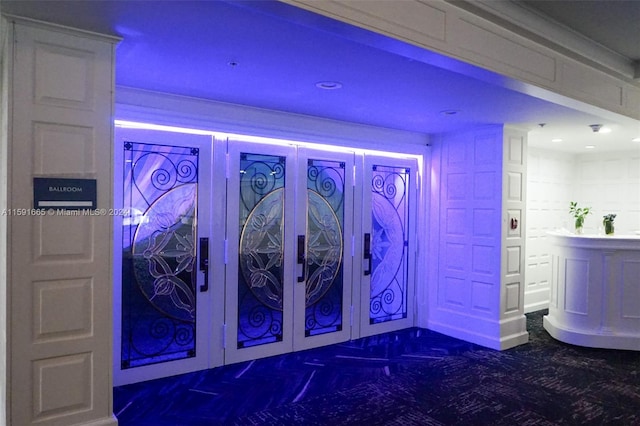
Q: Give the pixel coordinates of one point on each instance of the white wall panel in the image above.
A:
(515, 151)
(483, 221)
(457, 185)
(513, 260)
(549, 189)
(404, 20)
(455, 221)
(592, 85)
(62, 385)
(455, 257)
(455, 291)
(63, 149)
(469, 297)
(577, 278)
(64, 76)
(633, 167)
(482, 259)
(513, 232)
(63, 238)
(484, 184)
(60, 265)
(63, 309)
(513, 298)
(481, 302)
(487, 46)
(485, 151)
(5, 70)
(514, 186)
(610, 183)
(630, 278)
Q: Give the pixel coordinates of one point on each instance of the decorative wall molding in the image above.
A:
(59, 105)
(531, 52)
(475, 268)
(533, 25)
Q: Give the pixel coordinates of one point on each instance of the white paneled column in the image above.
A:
(59, 278)
(513, 260)
(476, 290)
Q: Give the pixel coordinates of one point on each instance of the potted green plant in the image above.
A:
(607, 221)
(579, 213)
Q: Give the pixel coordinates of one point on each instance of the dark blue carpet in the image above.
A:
(412, 377)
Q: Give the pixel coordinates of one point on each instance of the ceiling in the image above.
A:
(271, 55)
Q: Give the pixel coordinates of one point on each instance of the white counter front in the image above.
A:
(595, 291)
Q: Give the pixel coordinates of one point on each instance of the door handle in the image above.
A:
(204, 262)
(367, 252)
(301, 257)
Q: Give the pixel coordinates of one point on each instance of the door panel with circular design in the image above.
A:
(287, 286)
(324, 227)
(259, 277)
(388, 233)
(162, 315)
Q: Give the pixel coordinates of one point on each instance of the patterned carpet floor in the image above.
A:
(411, 377)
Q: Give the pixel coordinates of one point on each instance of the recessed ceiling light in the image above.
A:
(590, 146)
(635, 140)
(329, 85)
(556, 140)
(605, 130)
(449, 112)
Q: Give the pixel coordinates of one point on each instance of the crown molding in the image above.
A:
(535, 26)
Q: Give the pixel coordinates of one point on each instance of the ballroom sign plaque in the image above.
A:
(64, 194)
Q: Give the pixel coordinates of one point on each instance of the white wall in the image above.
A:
(473, 295)
(58, 267)
(4, 108)
(550, 186)
(608, 182)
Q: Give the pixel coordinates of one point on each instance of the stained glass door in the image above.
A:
(163, 310)
(387, 244)
(324, 226)
(260, 259)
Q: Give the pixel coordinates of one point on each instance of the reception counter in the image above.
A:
(595, 290)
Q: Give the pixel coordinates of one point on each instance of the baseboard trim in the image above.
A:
(533, 307)
(106, 421)
(517, 333)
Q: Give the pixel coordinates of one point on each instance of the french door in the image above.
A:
(233, 250)
(388, 229)
(324, 230)
(164, 299)
(290, 224)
